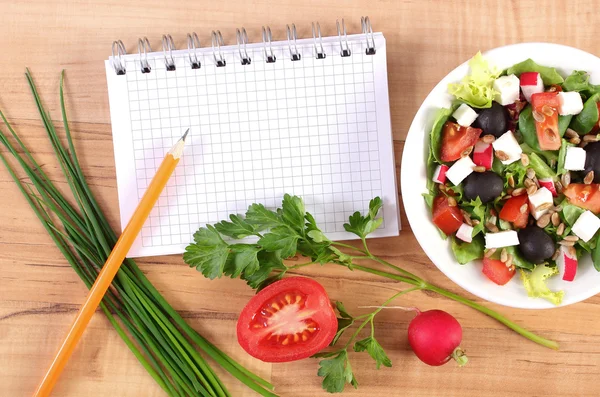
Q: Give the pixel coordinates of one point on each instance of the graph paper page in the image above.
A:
(317, 128)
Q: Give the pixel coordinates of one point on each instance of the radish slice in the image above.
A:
(548, 183)
(439, 176)
(483, 155)
(531, 83)
(567, 263)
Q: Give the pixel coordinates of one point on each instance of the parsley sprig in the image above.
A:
(271, 236)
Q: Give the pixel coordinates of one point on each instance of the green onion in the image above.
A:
(157, 335)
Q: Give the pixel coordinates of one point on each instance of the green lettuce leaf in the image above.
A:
(562, 154)
(596, 254)
(549, 75)
(579, 81)
(435, 139)
(570, 212)
(476, 88)
(535, 284)
(542, 170)
(467, 252)
(518, 259)
(585, 121)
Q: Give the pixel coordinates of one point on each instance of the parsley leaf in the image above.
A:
(280, 239)
(242, 258)
(343, 323)
(374, 349)
(292, 213)
(269, 261)
(259, 215)
(341, 257)
(238, 228)
(208, 254)
(363, 225)
(336, 372)
(342, 310)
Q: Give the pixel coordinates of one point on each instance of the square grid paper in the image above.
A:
(317, 128)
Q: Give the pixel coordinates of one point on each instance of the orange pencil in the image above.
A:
(108, 272)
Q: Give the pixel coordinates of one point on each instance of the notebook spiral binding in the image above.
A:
(193, 44)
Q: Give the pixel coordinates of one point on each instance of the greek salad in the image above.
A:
(514, 173)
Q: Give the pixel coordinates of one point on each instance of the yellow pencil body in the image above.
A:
(111, 267)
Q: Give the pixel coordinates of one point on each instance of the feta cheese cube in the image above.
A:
(508, 144)
(531, 83)
(575, 159)
(570, 103)
(501, 239)
(507, 89)
(586, 226)
(465, 233)
(464, 115)
(460, 170)
(540, 197)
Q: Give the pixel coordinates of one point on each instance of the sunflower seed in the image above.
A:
(530, 173)
(466, 152)
(537, 183)
(572, 251)
(570, 133)
(542, 207)
(555, 218)
(567, 243)
(558, 208)
(479, 168)
(571, 238)
(559, 187)
(492, 228)
(555, 255)
(452, 201)
(503, 255)
(543, 221)
(575, 140)
(528, 182)
(524, 159)
(547, 110)
(488, 138)
(519, 191)
(511, 181)
(537, 116)
(489, 252)
(466, 217)
(524, 208)
(566, 179)
(590, 138)
(501, 155)
(589, 178)
(551, 134)
(560, 229)
(509, 261)
(532, 189)
(475, 222)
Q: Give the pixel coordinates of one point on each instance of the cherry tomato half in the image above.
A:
(289, 320)
(456, 139)
(511, 211)
(584, 196)
(445, 216)
(546, 104)
(497, 271)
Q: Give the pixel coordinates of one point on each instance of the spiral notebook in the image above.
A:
(309, 117)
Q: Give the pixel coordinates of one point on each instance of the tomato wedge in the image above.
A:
(289, 320)
(511, 211)
(545, 107)
(497, 271)
(584, 196)
(456, 139)
(445, 216)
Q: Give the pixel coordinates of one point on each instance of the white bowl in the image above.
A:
(587, 282)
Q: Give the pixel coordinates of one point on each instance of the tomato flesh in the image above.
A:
(289, 320)
(448, 218)
(546, 105)
(497, 271)
(511, 211)
(456, 139)
(584, 196)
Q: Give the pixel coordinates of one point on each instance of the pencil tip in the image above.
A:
(185, 134)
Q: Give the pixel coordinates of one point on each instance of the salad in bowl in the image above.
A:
(513, 175)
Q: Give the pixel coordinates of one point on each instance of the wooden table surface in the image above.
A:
(39, 292)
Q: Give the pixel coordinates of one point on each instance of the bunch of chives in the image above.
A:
(156, 334)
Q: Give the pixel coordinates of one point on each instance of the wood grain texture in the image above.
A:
(39, 293)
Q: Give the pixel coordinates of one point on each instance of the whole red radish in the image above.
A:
(435, 337)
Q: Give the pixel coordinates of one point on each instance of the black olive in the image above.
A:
(592, 160)
(487, 185)
(493, 120)
(535, 244)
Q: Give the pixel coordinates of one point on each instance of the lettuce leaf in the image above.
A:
(535, 284)
(467, 252)
(476, 88)
(562, 155)
(518, 259)
(549, 75)
(579, 81)
(542, 170)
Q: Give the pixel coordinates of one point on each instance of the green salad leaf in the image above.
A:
(435, 139)
(535, 283)
(529, 133)
(476, 88)
(542, 170)
(570, 212)
(549, 75)
(596, 254)
(518, 259)
(562, 155)
(476, 210)
(585, 121)
(579, 81)
(467, 252)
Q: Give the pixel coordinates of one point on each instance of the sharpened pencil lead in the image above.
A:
(185, 134)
